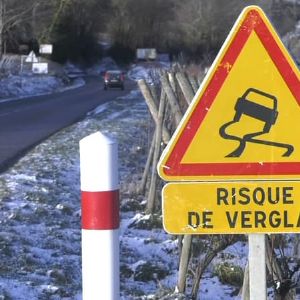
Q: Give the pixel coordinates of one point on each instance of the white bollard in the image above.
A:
(100, 217)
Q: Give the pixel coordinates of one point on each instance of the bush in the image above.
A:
(121, 54)
(76, 41)
(229, 274)
(148, 271)
(76, 49)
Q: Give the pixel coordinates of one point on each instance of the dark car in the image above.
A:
(113, 79)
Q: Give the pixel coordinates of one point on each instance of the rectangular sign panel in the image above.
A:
(40, 68)
(232, 207)
(46, 49)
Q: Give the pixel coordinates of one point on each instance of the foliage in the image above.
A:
(192, 29)
(229, 273)
(121, 53)
(202, 26)
(140, 23)
(75, 34)
(210, 246)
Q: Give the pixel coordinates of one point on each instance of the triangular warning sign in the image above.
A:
(31, 58)
(244, 121)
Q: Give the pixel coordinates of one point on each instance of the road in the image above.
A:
(26, 122)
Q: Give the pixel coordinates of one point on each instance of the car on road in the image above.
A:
(114, 79)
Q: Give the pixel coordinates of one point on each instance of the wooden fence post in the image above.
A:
(276, 271)
(174, 106)
(153, 108)
(172, 81)
(185, 86)
(171, 98)
(143, 183)
(158, 133)
(245, 288)
(194, 83)
(184, 262)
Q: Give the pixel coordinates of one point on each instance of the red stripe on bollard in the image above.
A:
(100, 210)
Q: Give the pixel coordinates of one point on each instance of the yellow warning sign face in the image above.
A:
(244, 121)
(231, 208)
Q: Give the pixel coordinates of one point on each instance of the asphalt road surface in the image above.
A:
(26, 122)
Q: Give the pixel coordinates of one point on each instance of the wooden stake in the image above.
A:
(153, 108)
(147, 166)
(276, 271)
(184, 262)
(186, 87)
(194, 83)
(174, 106)
(245, 289)
(154, 175)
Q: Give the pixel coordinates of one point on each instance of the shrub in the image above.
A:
(229, 274)
(121, 54)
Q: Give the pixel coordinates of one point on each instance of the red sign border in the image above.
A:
(173, 166)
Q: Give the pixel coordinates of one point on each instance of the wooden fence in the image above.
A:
(167, 97)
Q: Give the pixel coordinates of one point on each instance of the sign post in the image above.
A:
(234, 160)
(257, 267)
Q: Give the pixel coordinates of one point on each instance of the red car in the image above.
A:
(113, 79)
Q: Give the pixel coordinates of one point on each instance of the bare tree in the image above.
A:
(140, 23)
(17, 19)
(201, 26)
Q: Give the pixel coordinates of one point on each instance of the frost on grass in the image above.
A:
(40, 235)
(40, 231)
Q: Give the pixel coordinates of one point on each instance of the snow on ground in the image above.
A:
(40, 231)
(40, 211)
(28, 84)
(146, 70)
(106, 63)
